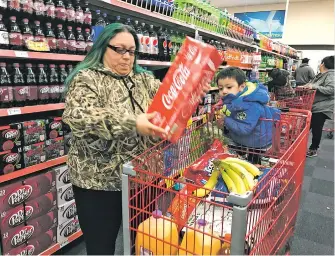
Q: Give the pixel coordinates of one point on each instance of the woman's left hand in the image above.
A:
(307, 86)
(205, 90)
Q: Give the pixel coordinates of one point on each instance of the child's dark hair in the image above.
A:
(328, 62)
(232, 72)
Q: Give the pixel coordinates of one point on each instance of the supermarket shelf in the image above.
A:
(244, 68)
(32, 169)
(58, 246)
(274, 53)
(40, 55)
(31, 109)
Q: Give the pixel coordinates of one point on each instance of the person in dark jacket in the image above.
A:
(323, 106)
(280, 84)
(244, 105)
(304, 74)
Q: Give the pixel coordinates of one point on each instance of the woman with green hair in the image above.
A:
(106, 99)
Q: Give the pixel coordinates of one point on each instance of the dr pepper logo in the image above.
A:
(12, 158)
(71, 211)
(67, 195)
(29, 211)
(70, 228)
(55, 125)
(16, 219)
(11, 134)
(20, 195)
(65, 177)
(22, 235)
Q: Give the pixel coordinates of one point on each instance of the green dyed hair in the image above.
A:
(96, 54)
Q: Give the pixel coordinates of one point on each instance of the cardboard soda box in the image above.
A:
(13, 195)
(67, 228)
(10, 137)
(62, 175)
(34, 154)
(178, 96)
(11, 161)
(64, 194)
(33, 132)
(20, 235)
(37, 245)
(67, 211)
(41, 205)
(54, 127)
(54, 148)
(12, 218)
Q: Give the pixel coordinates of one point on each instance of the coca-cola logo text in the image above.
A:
(180, 77)
(20, 195)
(70, 228)
(22, 236)
(16, 219)
(11, 134)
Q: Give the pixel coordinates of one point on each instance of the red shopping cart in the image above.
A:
(260, 222)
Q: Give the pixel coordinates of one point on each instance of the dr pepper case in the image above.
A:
(62, 175)
(10, 137)
(67, 228)
(54, 148)
(34, 154)
(178, 96)
(33, 132)
(11, 160)
(67, 211)
(13, 195)
(64, 194)
(54, 127)
(40, 184)
(12, 218)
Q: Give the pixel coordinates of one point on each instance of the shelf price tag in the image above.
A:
(14, 111)
(21, 54)
(62, 244)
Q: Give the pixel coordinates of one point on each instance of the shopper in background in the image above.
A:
(280, 84)
(108, 94)
(304, 73)
(323, 106)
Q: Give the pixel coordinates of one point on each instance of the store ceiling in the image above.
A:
(231, 3)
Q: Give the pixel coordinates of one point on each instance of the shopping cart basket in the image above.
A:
(259, 222)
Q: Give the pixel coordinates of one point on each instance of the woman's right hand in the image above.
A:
(144, 127)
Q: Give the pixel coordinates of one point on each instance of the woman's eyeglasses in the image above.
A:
(122, 51)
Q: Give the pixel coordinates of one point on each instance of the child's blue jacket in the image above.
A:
(243, 113)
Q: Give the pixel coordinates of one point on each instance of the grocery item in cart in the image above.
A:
(197, 243)
(152, 231)
(10, 137)
(11, 160)
(178, 96)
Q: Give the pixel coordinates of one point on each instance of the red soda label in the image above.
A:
(81, 46)
(71, 15)
(52, 43)
(43, 92)
(39, 38)
(22, 235)
(88, 18)
(6, 94)
(53, 91)
(27, 6)
(15, 39)
(20, 93)
(27, 37)
(14, 5)
(72, 45)
(89, 46)
(20, 195)
(61, 13)
(32, 92)
(62, 44)
(80, 16)
(50, 11)
(61, 90)
(39, 8)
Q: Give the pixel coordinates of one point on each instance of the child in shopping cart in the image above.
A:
(243, 106)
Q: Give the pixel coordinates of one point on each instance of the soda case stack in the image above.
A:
(29, 143)
(32, 84)
(64, 28)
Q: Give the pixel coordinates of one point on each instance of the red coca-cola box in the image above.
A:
(33, 132)
(62, 175)
(67, 211)
(34, 154)
(37, 245)
(54, 148)
(41, 205)
(10, 137)
(64, 194)
(54, 127)
(178, 96)
(67, 229)
(11, 161)
(18, 236)
(40, 184)
(12, 218)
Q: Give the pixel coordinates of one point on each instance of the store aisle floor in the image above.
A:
(314, 234)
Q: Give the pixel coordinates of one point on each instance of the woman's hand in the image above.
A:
(144, 127)
(205, 90)
(307, 86)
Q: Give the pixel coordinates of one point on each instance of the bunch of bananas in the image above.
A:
(239, 176)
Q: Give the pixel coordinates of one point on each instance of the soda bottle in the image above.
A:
(27, 33)
(15, 36)
(71, 41)
(14, 6)
(162, 45)
(62, 77)
(139, 34)
(38, 32)
(60, 10)
(53, 84)
(50, 10)
(39, 8)
(20, 89)
(145, 42)
(117, 19)
(42, 85)
(168, 41)
(129, 23)
(6, 89)
(88, 40)
(51, 38)
(3, 5)
(81, 44)
(4, 37)
(70, 12)
(87, 15)
(27, 6)
(69, 69)
(32, 96)
(79, 13)
(171, 45)
(153, 44)
(61, 40)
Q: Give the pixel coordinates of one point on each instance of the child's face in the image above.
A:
(229, 86)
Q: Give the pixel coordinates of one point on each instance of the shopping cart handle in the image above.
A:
(284, 109)
(240, 200)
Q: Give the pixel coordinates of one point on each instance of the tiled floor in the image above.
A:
(314, 234)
